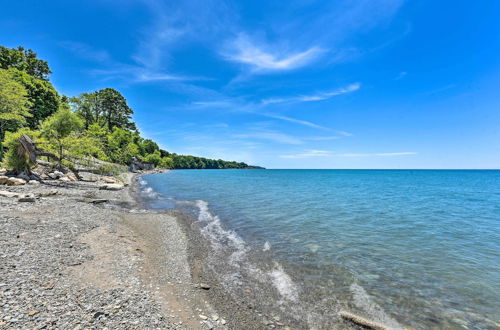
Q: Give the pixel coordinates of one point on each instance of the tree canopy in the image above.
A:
(24, 60)
(94, 124)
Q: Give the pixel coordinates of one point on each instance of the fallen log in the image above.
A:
(362, 321)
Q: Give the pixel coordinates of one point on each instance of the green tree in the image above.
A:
(13, 160)
(122, 146)
(14, 105)
(43, 97)
(115, 109)
(24, 60)
(87, 105)
(154, 158)
(59, 130)
(105, 107)
(166, 162)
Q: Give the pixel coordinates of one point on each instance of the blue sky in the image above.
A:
(286, 84)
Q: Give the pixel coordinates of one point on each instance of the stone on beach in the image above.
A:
(112, 187)
(8, 194)
(10, 181)
(27, 199)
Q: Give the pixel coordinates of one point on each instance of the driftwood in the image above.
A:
(27, 148)
(362, 321)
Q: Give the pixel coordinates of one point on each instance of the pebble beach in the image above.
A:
(75, 255)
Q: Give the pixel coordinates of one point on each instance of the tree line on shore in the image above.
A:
(96, 125)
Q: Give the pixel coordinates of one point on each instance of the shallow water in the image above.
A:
(405, 248)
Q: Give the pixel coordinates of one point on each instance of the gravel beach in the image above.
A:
(77, 256)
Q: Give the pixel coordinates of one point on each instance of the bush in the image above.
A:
(13, 160)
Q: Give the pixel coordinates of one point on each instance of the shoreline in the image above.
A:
(82, 257)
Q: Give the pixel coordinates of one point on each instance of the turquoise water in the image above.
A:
(407, 248)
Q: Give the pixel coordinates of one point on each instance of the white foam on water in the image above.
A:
(149, 192)
(363, 301)
(222, 239)
(217, 235)
(266, 247)
(283, 283)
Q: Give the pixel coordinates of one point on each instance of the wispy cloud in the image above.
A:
(383, 154)
(294, 120)
(309, 154)
(327, 153)
(401, 75)
(273, 136)
(267, 58)
(314, 97)
(86, 51)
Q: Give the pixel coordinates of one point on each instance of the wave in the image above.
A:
(223, 240)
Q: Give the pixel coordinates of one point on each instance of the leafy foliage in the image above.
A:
(24, 60)
(14, 104)
(60, 130)
(13, 159)
(96, 125)
(44, 99)
(106, 107)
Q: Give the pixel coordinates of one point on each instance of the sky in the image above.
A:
(285, 84)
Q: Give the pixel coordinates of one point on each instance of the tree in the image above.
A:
(149, 147)
(24, 60)
(115, 109)
(14, 105)
(43, 97)
(122, 146)
(59, 129)
(87, 105)
(105, 107)
(154, 158)
(14, 160)
(166, 162)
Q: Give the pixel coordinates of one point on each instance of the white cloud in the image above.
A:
(326, 153)
(314, 97)
(294, 120)
(244, 51)
(383, 154)
(270, 136)
(309, 153)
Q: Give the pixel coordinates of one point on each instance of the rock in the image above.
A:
(33, 312)
(204, 286)
(15, 182)
(113, 187)
(8, 194)
(3, 179)
(56, 175)
(222, 321)
(71, 177)
(53, 192)
(2, 171)
(203, 317)
(215, 317)
(33, 182)
(27, 199)
(64, 179)
(108, 179)
(99, 201)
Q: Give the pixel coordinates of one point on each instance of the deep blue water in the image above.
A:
(414, 248)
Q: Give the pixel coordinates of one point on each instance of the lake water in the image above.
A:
(416, 248)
